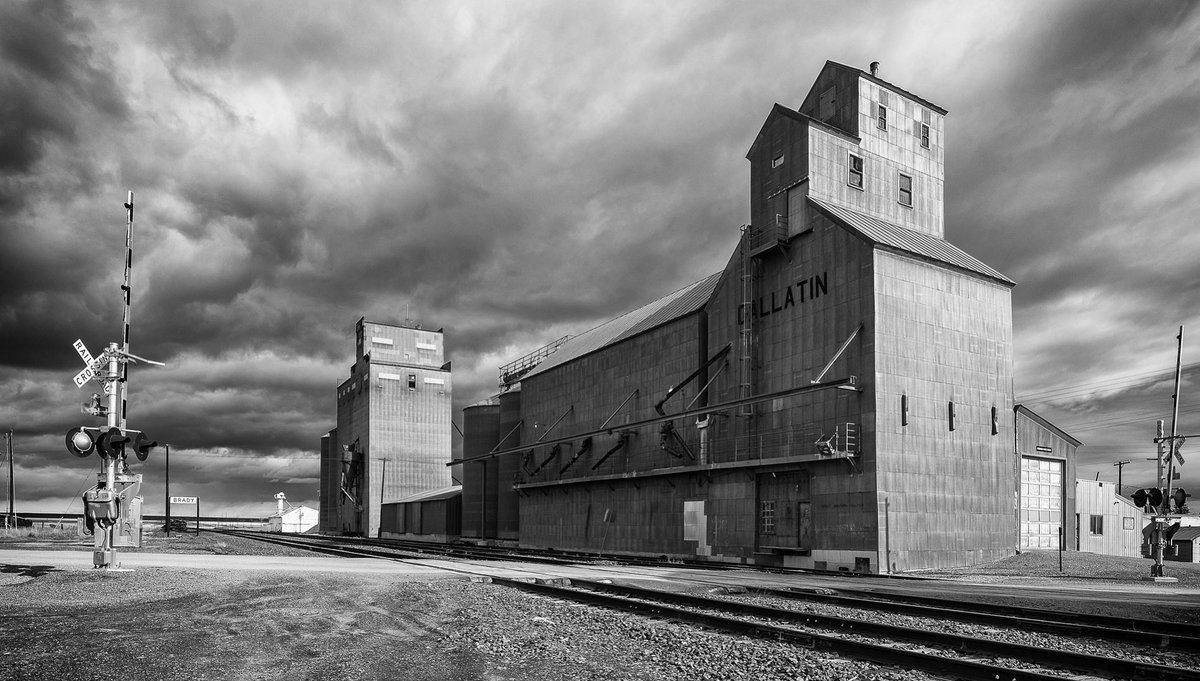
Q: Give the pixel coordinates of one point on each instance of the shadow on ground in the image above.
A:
(27, 570)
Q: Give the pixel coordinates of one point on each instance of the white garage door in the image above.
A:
(1041, 503)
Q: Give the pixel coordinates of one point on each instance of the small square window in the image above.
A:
(777, 161)
(924, 136)
(1097, 524)
(881, 116)
(767, 517)
(906, 198)
(855, 178)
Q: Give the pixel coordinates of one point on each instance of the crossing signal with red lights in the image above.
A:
(142, 446)
(1153, 496)
(1180, 497)
(111, 444)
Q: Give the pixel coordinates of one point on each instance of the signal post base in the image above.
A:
(104, 559)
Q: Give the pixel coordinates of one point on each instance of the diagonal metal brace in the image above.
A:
(671, 393)
(584, 448)
(622, 440)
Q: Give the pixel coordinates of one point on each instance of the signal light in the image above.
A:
(1156, 496)
(80, 442)
(112, 443)
(142, 445)
(1180, 498)
(1153, 496)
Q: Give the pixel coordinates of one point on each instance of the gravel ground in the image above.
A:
(221, 624)
(216, 624)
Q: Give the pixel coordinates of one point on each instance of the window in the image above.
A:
(766, 514)
(904, 410)
(777, 161)
(1097, 524)
(995, 421)
(1127, 523)
(924, 136)
(855, 178)
(950, 414)
(905, 190)
(881, 116)
(412, 381)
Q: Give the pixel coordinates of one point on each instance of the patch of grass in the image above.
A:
(1079, 565)
(38, 532)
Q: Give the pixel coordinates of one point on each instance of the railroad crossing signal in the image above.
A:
(1152, 495)
(81, 441)
(1155, 497)
(142, 446)
(110, 443)
(92, 366)
(1180, 497)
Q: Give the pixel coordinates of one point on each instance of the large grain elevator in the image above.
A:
(839, 396)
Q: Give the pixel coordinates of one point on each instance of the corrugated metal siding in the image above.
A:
(1121, 525)
(907, 240)
(673, 306)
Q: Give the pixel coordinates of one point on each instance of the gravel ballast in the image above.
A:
(168, 623)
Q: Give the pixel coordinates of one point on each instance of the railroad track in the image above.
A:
(924, 645)
(965, 657)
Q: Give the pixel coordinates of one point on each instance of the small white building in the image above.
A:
(291, 519)
(1106, 522)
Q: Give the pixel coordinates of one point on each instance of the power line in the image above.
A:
(1129, 381)
(1129, 419)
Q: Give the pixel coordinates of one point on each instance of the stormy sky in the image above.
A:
(516, 171)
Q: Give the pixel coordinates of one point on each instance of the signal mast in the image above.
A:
(1161, 499)
(113, 508)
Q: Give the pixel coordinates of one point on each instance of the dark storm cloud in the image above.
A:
(1087, 42)
(46, 64)
(513, 173)
(55, 89)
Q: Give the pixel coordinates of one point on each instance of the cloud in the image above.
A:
(513, 173)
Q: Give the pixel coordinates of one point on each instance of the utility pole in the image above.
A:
(167, 490)
(12, 481)
(1120, 469)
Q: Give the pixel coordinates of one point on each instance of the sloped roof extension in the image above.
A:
(1046, 424)
(670, 307)
(909, 241)
(781, 110)
(431, 495)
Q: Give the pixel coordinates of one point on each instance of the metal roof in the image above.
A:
(431, 495)
(1186, 534)
(668, 308)
(907, 240)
